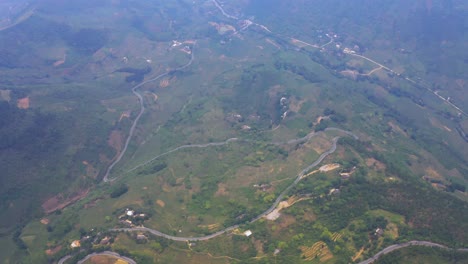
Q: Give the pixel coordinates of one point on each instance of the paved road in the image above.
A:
(403, 245)
(222, 143)
(142, 110)
(222, 11)
(447, 101)
(269, 210)
(62, 260)
(184, 147)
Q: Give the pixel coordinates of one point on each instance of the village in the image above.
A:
(95, 239)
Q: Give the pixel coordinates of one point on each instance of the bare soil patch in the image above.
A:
(295, 105)
(329, 167)
(287, 220)
(59, 201)
(161, 203)
(90, 170)
(397, 128)
(222, 190)
(53, 251)
(23, 103)
(116, 140)
(433, 174)
(103, 260)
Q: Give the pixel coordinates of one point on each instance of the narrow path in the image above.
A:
(222, 10)
(222, 143)
(269, 210)
(356, 55)
(62, 260)
(183, 147)
(392, 248)
(142, 110)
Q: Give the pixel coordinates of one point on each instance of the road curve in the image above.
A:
(407, 244)
(107, 253)
(222, 143)
(269, 210)
(142, 110)
(62, 260)
(183, 147)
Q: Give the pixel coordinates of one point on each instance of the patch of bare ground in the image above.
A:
(392, 230)
(116, 140)
(247, 176)
(164, 83)
(123, 203)
(275, 214)
(380, 92)
(358, 254)
(160, 203)
(286, 221)
(350, 74)
(329, 167)
(258, 244)
(91, 204)
(53, 251)
(436, 123)
(320, 144)
(355, 63)
(125, 114)
(318, 250)
(222, 190)
(320, 118)
(433, 174)
(309, 216)
(100, 259)
(295, 104)
(59, 201)
(23, 103)
(90, 170)
(397, 129)
(103, 158)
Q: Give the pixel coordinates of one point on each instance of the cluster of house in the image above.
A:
(131, 218)
(263, 187)
(96, 239)
(186, 48)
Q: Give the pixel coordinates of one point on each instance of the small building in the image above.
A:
(334, 191)
(248, 233)
(129, 212)
(379, 231)
(141, 237)
(105, 241)
(75, 244)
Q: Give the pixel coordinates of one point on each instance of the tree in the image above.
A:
(119, 190)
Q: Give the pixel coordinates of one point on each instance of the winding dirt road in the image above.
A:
(266, 212)
(407, 244)
(142, 110)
